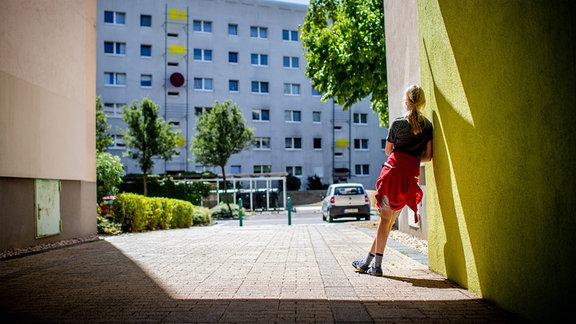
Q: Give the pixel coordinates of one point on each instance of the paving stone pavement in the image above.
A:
(228, 274)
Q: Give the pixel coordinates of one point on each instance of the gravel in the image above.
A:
(44, 247)
(410, 241)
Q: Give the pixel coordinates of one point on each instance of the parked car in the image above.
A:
(346, 200)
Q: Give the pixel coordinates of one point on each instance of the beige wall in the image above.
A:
(47, 75)
(47, 115)
(403, 70)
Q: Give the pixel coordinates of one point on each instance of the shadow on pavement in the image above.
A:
(96, 282)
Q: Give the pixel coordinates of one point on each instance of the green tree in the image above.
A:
(147, 135)
(345, 52)
(109, 172)
(219, 134)
(103, 137)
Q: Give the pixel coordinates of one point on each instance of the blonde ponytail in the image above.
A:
(415, 100)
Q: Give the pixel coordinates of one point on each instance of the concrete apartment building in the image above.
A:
(186, 54)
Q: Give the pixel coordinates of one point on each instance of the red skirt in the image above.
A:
(398, 181)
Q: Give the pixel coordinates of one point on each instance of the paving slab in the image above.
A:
(227, 274)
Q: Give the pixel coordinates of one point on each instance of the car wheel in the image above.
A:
(368, 217)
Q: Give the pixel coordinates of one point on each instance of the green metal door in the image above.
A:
(47, 205)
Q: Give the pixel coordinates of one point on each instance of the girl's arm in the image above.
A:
(428, 154)
(389, 147)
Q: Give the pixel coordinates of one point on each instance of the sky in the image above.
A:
(296, 1)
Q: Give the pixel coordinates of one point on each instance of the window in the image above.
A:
(145, 20)
(117, 142)
(291, 62)
(293, 143)
(233, 29)
(360, 118)
(292, 89)
(315, 92)
(113, 17)
(204, 55)
(294, 170)
(202, 26)
(203, 84)
(201, 110)
(293, 116)
(262, 168)
(113, 110)
(233, 85)
(261, 143)
(259, 59)
(290, 35)
(259, 87)
(315, 116)
(317, 143)
(172, 35)
(114, 48)
(362, 169)
(361, 143)
(232, 57)
(114, 79)
(173, 63)
(145, 50)
(383, 144)
(146, 80)
(260, 114)
(235, 169)
(258, 32)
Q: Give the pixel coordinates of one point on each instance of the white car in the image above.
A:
(346, 200)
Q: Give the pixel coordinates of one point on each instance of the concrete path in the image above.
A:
(268, 273)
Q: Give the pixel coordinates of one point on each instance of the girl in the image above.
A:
(409, 142)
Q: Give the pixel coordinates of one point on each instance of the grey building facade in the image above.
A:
(186, 54)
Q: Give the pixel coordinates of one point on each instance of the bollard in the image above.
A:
(240, 211)
(289, 211)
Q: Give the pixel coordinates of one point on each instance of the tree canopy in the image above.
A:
(147, 135)
(345, 51)
(220, 133)
(103, 137)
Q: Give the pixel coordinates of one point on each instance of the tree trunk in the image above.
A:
(226, 190)
(145, 184)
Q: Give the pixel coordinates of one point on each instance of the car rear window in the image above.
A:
(349, 191)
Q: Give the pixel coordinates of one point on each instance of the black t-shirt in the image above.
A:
(405, 141)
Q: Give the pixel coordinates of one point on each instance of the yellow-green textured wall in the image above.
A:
(499, 76)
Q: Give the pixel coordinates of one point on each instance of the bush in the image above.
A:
(106, 226)
(165, 186)
(109, 171)
(292, 183)
(222, 211)
(314, 183)
(201, 216)
(138, 213)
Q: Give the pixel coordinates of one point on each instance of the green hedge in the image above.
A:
(165, 186)
(139, 213)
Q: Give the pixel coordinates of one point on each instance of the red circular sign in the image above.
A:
(177, 79)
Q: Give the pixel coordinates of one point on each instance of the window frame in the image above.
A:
(260, 112)
(115, 76)
(146, 80)
(260, 85)
(144, 16)
(116, 48)
(293, 143)
(203, 82)
(294, 89)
